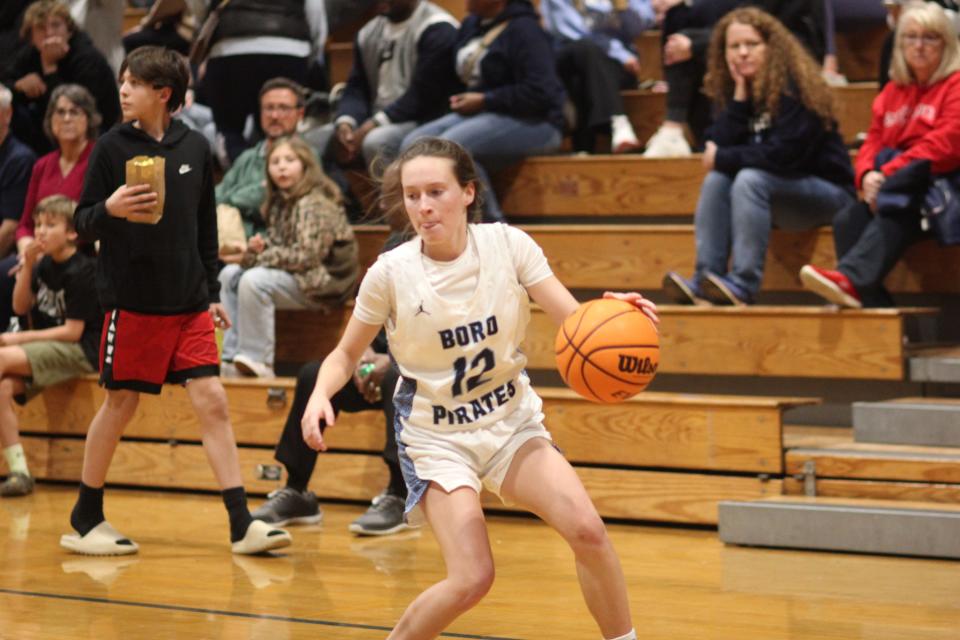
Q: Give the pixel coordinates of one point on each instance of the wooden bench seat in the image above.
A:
(669, 430)
(660, 456)
(794, 341)
(636, 256)
(842, 468)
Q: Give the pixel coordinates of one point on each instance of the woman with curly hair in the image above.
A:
(773, 156)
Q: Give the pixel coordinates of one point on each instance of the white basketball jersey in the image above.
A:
(461, 363)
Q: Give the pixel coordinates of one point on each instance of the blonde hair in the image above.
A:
(43, 10)
(930, 17)
(58, 207)
(313, 176)
(788, 67)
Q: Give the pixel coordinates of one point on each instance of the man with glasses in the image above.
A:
(244, 185)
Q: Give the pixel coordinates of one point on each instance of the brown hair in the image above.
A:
(83, 100)
(160, 67)
(313, 175)
(41, 11)
(58, 207)
(464, 170)
(788, 68)
(281, 82)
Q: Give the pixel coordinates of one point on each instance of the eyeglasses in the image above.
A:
(283, 109)
(926, 39)
(72, 112)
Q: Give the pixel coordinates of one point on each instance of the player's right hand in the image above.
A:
(318, 408)
(131, 199)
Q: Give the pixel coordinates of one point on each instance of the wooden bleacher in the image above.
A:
(661, 469)
(636, 256)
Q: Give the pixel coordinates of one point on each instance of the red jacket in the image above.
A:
(922, 122)
(47, 180)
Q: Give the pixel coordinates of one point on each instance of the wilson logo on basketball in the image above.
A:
(632, 364)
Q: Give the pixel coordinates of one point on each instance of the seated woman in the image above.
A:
(72, 123)
(513, 106)
(308, 258)
(596, 59)
(58, 53)
(773, 156)
(687, 27)
(915, 117)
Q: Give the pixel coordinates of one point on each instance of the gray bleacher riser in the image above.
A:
(935, 369)
(909, 532)
(925, 424)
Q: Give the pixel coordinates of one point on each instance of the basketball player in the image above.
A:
(158, 285)
(454, 302)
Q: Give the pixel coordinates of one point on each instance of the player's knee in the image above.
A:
(472, 587)
(123, 403)
(588, 533)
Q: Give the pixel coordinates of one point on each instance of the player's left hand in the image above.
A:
(220, 317)
(648, 307)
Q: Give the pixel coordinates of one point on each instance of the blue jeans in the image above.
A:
(495, 140)
(735, 214)
(251, 296)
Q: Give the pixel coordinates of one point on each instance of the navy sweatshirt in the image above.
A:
(794, 143)
(163, 269)
(519, 71)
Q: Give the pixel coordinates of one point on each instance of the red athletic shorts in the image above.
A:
(140, 352)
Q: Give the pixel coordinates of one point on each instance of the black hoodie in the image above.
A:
(519, 71)
(162, 269)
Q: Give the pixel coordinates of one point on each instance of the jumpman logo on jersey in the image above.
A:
(420, 310)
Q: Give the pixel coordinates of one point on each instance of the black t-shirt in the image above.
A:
(66, 291)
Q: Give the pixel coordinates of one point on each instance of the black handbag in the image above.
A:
(941, 209)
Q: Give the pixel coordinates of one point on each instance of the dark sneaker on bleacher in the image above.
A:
(722, 291)
(385, 516)
(16, 484)
(289, 506)
(682, 290)
(831, 285)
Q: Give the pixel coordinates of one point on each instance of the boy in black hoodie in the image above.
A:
(158, 285)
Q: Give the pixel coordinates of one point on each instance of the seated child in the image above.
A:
(55, 287)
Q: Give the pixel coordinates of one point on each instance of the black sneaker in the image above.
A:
(385, 516)
(16, 484)
(289, 506)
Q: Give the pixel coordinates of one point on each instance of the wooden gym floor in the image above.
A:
(684, 584)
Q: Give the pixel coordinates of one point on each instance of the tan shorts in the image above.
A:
(52, 362)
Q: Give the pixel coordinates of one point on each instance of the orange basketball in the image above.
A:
(608, 350)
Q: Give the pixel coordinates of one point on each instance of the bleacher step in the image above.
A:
(936, 365)
(932, 422)
(836, 524)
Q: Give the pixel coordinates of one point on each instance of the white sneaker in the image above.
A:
(250, 367)
(624, 139)
(667, 142)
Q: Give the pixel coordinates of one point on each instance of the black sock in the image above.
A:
(296, 481)
(235, 500)
(397, 486)
(88, 512)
